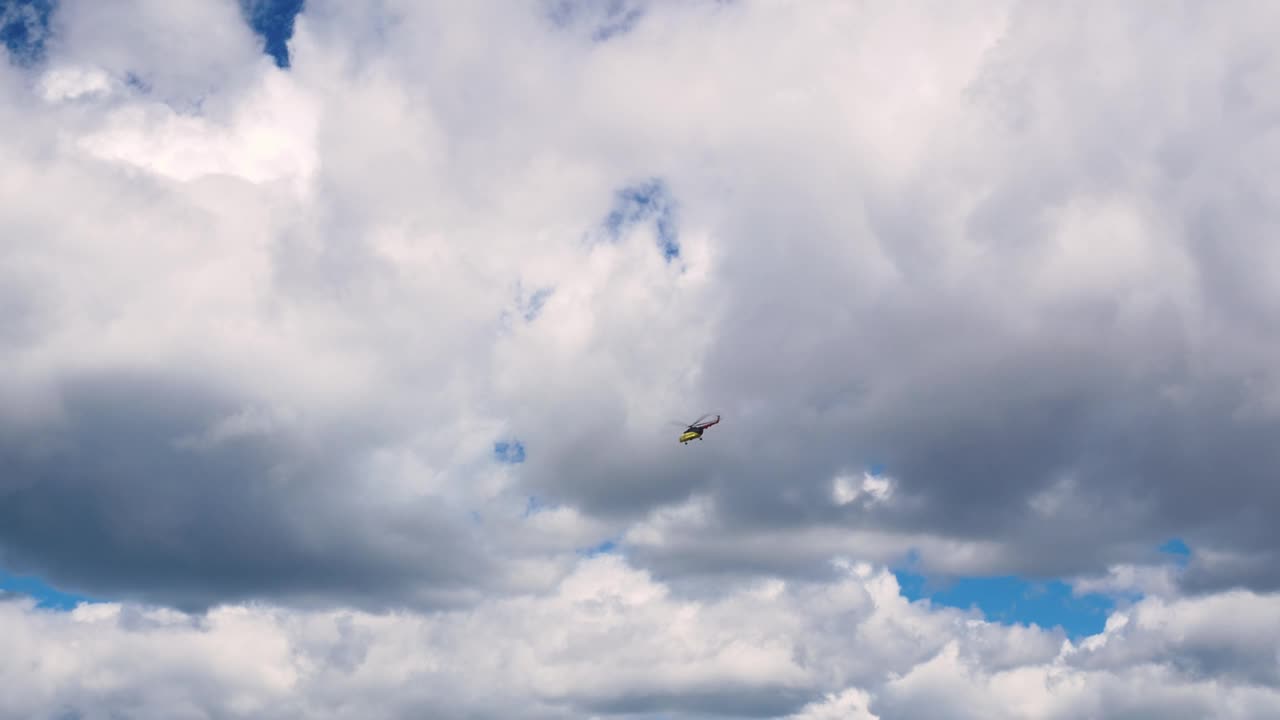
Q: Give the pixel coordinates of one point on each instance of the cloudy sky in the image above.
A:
(344, 347)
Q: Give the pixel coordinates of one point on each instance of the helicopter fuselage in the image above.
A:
(694, 431)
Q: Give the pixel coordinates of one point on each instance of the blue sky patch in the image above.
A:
(1179, 550)
(45, 595)
(24, 27)
(1012, 600)
(605, 548)
(509, 452)
(643, 203)
(534, 304)
(273, 20)
(619, 22)
(610, 18)
(533, 506)
(136, 82)
(527, 306)
(1176, 546)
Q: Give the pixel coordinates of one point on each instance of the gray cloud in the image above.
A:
(1059, 295)
(164, 487)
(264, 328)
(607, 640)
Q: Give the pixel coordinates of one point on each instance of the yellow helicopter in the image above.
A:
(697, 427)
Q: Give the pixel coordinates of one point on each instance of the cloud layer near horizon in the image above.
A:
(263, 327)
(610, 640)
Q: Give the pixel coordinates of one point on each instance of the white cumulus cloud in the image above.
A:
(264, 333)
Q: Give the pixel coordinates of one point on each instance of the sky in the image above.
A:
(346, 346)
